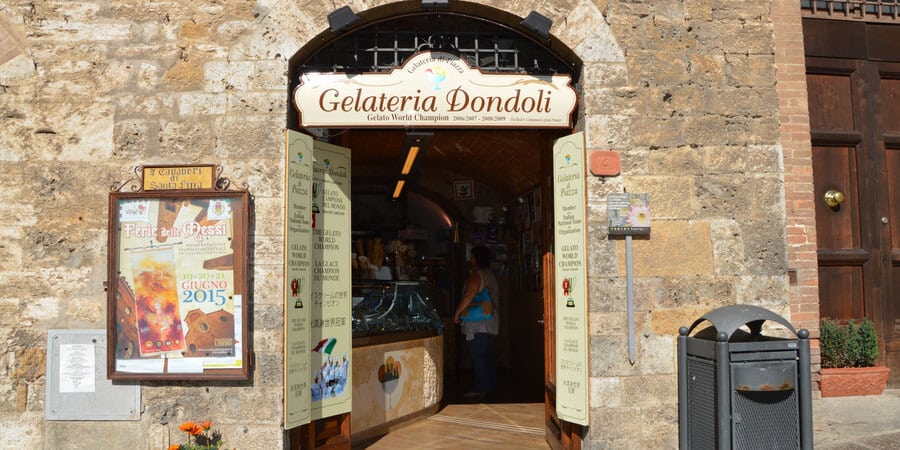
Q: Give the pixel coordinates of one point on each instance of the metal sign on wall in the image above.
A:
(435, 89)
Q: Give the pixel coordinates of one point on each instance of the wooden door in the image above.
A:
(560, 433)
(855, 131)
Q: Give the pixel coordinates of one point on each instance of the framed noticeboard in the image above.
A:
(178, 289)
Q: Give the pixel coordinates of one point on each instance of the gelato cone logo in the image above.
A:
(436, 76)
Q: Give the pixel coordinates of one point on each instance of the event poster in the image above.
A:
(175, 287)
(570, 230)
(330, 327)
(297, 265)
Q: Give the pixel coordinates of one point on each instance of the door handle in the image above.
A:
(833, 198)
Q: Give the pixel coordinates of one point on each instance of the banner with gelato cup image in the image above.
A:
(178, 273)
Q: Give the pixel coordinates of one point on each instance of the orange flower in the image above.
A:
(187, 427)
(196, 431)
(206, 424)
(175, 447)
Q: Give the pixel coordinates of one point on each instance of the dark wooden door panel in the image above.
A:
(835, 169)
(854, 104)
(841, 292)
(834, 106)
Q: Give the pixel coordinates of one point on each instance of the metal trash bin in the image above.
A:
(739, 389)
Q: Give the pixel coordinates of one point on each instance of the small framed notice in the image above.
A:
(178, 284)
(629, 214)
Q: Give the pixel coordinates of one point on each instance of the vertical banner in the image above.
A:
(297, 271)
(330, 324)
(570, 231)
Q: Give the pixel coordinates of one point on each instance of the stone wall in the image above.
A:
(683, 90)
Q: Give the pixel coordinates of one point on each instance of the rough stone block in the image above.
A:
(606, 392)
(22, 430)
(674, 248)
(728, 247)
(670, 196)
(683, 160)
(609, 357)
(199, 104)
(666, 322)
(131, 140)
(697, 292)
(650, 391)
(269, 216)
(656, 353)
(88, 311)
(78, 435)
(765, 291)
(180, 138)
(249, 137)
(266, 75)
(608, 131)
(268, 284)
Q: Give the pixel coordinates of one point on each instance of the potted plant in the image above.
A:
(848, 359)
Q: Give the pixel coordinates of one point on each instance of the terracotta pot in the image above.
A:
(852, 381)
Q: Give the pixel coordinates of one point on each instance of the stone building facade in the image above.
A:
(704, 100)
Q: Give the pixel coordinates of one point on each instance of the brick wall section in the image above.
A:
(798, 176)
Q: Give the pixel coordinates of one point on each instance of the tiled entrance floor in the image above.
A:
(472, 426)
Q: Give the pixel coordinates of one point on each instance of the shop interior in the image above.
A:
(420, 200)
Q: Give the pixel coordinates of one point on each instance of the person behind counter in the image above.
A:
(480, 333)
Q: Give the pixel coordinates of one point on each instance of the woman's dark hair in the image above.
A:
(482, 256)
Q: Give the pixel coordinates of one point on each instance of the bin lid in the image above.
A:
(729, 319)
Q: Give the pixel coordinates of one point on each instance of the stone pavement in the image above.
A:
(869, 422)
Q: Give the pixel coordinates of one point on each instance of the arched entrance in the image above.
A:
(504, 173)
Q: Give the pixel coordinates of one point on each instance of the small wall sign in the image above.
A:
(161, 178)
(629, 214)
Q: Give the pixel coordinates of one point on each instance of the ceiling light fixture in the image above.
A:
(398, 189)
(410, 159)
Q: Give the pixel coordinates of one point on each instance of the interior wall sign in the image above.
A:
(435, 89)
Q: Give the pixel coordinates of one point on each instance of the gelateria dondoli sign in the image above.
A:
(435, 89)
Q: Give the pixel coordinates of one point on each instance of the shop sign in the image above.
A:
(570, 232)
(160, 178)
(435, 89)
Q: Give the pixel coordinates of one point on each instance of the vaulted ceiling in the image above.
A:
(507, 161)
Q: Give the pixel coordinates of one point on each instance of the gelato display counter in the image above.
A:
(397, 354)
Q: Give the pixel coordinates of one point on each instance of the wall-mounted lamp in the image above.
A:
(538, 23)
(341, 17)
(435, 4)
(398, 189)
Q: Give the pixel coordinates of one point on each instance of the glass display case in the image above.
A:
(384, 308)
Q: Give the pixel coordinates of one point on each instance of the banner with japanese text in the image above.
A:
(330, 282)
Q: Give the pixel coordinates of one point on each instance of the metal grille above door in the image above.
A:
(382, 46)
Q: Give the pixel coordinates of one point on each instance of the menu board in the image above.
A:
(178, 275)
(570, 228)
(330, 282)
(297, 265)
